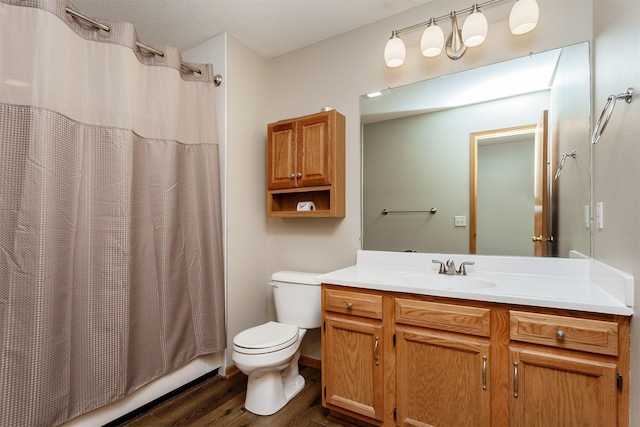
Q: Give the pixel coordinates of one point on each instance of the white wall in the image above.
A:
(616, 175)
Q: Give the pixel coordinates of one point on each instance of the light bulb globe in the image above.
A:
(432, 41)
(524, 16)
(474, 29)
(394, 52)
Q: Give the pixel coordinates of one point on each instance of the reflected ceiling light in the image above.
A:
(432, 40)
(523, 18)
(475, 27)
(377, 93)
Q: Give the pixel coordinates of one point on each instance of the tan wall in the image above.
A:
(337, 71)
(247, 272)
(616, 175)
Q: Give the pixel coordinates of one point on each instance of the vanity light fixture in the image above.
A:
(522, 19)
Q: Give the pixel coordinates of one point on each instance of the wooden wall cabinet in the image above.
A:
(392, 359)
(306, 162)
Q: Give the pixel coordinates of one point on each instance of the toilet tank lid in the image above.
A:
(287, 276)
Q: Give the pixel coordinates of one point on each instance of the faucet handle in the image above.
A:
(442, 269)
(462, 270)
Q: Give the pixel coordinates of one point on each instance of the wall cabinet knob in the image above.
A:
(299, 175)
(292, 176)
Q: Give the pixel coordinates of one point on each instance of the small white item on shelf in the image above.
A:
(306, 206)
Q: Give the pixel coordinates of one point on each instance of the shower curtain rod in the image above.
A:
(140, 45)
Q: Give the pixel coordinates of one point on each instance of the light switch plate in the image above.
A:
(599, 215)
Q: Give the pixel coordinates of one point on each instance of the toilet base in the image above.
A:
(268, 393)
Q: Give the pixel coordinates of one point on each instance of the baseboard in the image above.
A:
(232, 370)
(310, 362)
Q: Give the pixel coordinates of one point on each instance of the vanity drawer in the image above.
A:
(446, 317)
(594, 336)
(356, 303)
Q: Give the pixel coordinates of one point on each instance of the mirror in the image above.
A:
(426, 145)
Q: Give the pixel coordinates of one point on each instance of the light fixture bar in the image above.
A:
(523, 18)
(448, 15)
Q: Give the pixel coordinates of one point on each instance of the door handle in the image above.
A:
(542, 239)
(484, 372)
(515, 379)
(375, 351)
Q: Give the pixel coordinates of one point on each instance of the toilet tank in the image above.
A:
(297, 298)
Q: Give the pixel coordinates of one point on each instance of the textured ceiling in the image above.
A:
(270, 27)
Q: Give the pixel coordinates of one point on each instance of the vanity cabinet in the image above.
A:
(569, 377)
(401, 359)
(353, 362)
(306, 162)
(436, 368)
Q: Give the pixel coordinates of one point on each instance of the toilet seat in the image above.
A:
(266, 338)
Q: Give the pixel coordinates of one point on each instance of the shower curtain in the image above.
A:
(110, 219)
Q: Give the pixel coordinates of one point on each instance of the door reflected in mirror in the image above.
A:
(508, 184)
(416, 156)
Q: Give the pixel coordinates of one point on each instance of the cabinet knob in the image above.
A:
(292, 175)
(349, 306)
(560, 334)
(299, 175)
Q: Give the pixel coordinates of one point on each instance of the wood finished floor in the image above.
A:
(220, 402)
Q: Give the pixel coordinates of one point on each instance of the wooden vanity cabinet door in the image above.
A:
(353, 365)
(442, 379)
(550, 389)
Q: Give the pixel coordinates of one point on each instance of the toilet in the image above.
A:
(268, 354)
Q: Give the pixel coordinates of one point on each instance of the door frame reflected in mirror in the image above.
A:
(539, 208)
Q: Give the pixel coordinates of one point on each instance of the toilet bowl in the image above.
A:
(268, 354)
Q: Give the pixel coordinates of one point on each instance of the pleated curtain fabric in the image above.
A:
(111, 266)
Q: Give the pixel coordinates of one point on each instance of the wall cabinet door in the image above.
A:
(306, 163)
(353, 366)
(555, 390)
(442, 379)
(314, 160)
(300, 153)
(282, 155)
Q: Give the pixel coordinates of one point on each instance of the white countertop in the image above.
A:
(575, 284)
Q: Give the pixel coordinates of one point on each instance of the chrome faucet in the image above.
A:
(450, 267)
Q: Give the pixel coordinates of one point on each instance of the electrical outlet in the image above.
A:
(460, 221)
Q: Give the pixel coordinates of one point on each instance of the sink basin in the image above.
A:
(443, 281)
